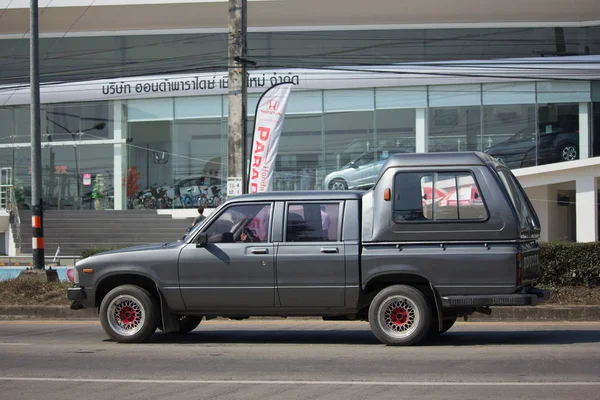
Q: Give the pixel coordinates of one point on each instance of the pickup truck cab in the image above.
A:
(439, 236)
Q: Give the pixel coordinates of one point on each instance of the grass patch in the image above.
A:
(575, 295)
(27, 292)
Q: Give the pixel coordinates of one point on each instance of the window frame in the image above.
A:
(435, 172)
(269, 238)
(340, 205)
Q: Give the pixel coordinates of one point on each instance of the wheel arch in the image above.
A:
(110, 282)
(379, 282)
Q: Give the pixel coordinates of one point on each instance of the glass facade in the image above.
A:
(106, 57)
(172, 152)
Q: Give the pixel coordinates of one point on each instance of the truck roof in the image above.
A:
(437, 159)
(308, 195)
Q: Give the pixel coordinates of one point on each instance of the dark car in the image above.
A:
(520, 149)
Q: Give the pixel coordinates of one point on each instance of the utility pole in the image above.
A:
(238, 93)
(36, 142)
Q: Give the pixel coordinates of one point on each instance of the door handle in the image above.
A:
(260, 251)
(329, 249)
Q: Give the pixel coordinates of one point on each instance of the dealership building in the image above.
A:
(134, 96)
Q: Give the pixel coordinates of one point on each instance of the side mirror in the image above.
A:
(353, 164)
(202, 240)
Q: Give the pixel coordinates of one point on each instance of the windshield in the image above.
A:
(528, 219)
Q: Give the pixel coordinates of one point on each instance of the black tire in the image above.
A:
(338, 184)
(400, 315)
(447, 323)
(568, 152)
(137, 204)
(188, 323)
(137, 316)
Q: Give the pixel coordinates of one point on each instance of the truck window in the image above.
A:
(528, 220)
(312, 222)
(241, 223)
(437, 197)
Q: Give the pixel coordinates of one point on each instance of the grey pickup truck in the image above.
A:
(439, 236)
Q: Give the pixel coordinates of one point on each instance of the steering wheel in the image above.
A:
(251, 234)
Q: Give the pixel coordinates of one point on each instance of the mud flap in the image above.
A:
(170, 321)
(438, 307)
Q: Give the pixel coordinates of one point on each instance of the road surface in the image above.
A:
(300, 359)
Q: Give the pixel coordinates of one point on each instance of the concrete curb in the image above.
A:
(46, 312)
(539, 313)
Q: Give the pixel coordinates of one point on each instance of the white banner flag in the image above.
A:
(270, 113)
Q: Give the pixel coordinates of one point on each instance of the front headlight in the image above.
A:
(76, 275)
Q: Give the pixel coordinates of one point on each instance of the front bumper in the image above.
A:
(81, 297)
(531, 297)
(76, 293)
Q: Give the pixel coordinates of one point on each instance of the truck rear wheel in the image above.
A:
(129, 314)
(400, 315)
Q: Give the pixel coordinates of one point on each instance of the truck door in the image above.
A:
(310, 259)
(236, 268)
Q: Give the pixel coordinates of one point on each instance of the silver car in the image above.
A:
(361, 172)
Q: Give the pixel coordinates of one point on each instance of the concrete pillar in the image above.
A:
(421, 130)
(584, 131)
(586, 209)
(119, 133)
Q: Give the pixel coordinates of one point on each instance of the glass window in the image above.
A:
(308, 102)
(509, 134)
(348, 100)
(558, 134)
(199, 149)
(347, 136)
(563, 92)
(402, 97)
(78, 177)
(508, 93)
(527, 217)
(396, 130)
(14, 125)
(437, 197)
(312, 222)
(298, 163)
(198, 107)
(151, 159)
(150, 110)
(241, 223)
(83, 121)
(454, 129)
(454, 95)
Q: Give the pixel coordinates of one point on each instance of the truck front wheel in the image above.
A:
(400, 315)
(129, 314)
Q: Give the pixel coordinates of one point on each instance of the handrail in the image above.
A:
(14, 209)
(52, 259)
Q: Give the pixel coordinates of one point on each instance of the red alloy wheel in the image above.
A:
(127, 315)
(399, 316)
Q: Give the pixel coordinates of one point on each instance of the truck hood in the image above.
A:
(140, 248)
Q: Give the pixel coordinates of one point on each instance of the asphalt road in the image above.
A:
(300, 359)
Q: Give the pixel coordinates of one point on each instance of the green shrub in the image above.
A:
(90, 251)
(570, 264)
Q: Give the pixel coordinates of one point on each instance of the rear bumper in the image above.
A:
(532, 297)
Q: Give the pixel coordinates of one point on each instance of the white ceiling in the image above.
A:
(152, 15)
